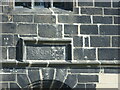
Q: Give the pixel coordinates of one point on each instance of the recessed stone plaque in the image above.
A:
(59, 49)
(51, 52)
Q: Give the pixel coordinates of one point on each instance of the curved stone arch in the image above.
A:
(46, 84)
(50, 76)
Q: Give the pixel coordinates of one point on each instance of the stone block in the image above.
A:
(109, 30)
(112, 11)
(117, 20)
(102, 20)
(100, 41)
(34, 75)
(87, 78)
(45, 19)
(14, 86)
(60, 74)
(70, 29)
(6, 9)
(112, 70)
(85, 70)
(3, 86)
(77, 41)
(79, 86)
(22, 80)
(47, 73)
(90, 86)
(102, 3)
(76, 10)
(8, 77)
(6, 18)
(88, 29)
(22, 18)
(108, 54)
(116, 41)
(116, 3)
(4, 52)
(73, 19)
(12, 52)
(84, 54)
(50, 31)
(91, 11)
(27, 29)
(86, 41)
(71, 78)
(8, 28)
(85, 3)
(7, 40)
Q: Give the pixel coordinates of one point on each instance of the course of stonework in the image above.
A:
(60, 45)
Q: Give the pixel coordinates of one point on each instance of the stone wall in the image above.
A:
(57, 48)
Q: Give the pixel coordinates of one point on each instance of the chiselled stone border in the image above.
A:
(36, 40)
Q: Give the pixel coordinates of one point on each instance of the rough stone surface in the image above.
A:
(7, 77)
(85, 3)
(22, 18)
(71, 78)
(6, 18)
(102, 3)
(111, 70)
(40, 53)
(116, 41)
(108, 54)
(73, 19)
(77, 41)
(109, 30)
(87, 78)
(12, 53)
(80, 86)
(48, 73)
(22, 80)
(44, 19)
(14, 86)
(91, 11)
(4, 85)
(9, 28)
(112, 12)
(84, 54)
(116, 4)
(76, 10)
(86, 70)
(27, 29)
(60, 74)
(34, 75)
(99, 41)
(117, 20)
(50, 31)
(102, 20)
(88, 29)
(7, 40)
(71, 29)
(90, 86)
(4, 52)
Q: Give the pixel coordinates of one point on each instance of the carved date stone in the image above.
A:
(46, 49)
(45, 53)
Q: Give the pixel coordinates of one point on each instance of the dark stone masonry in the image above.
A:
(59, 45)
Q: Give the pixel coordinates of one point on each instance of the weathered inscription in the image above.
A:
(45, 52)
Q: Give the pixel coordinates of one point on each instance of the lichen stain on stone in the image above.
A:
(9, 18)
